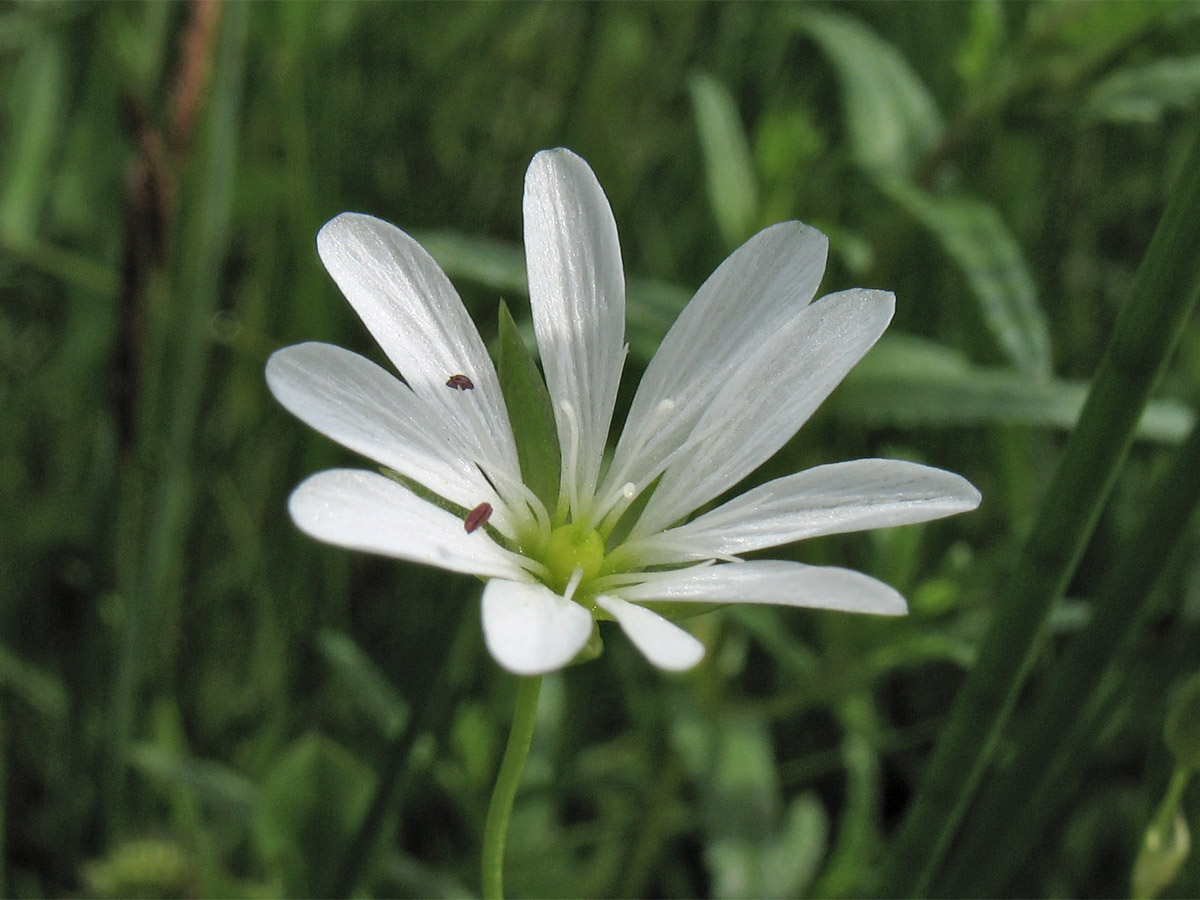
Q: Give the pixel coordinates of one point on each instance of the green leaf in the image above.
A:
(309, 808)
(651, 308)
(1142, 94)
(907, 381)
(1181, 732)
(44, 693)
(753, 847)
(494, 264)
(218, 787)
(38, 87)
(891, 118)
(977, 240)
(981, 44)
(732, 185)
(791, 860)
(530, 411)
(1095, 31)
(366, 685)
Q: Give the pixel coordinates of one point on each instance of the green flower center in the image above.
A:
(573, 546)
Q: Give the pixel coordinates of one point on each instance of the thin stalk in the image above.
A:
(1171, 800)
(1165, 844)
(1149, 326)
(495, 830)
(1003, 829)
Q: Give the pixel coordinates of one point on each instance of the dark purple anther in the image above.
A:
(478, 516)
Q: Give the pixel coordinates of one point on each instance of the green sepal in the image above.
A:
(591, 650)
(529, 411)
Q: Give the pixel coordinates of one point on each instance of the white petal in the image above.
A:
(764, 282)
(661, 641)
(416, 316)
(367, 409)
(366, 511)
(832, 499)
(529, 629)
(775, 390)
(577, 294)
(772, 581)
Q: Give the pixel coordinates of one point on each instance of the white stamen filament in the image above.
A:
(685, 446)
(628, 494)
(573, 583)
(694, 438)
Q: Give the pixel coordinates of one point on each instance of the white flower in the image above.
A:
(747, 362)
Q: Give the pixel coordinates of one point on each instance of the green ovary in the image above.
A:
(573, 547)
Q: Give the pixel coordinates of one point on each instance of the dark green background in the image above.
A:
(195, 700)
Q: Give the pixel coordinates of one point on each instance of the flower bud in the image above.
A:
(142, 868)
(1163, 853)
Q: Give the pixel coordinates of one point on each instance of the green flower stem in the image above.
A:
(1164, 848)
(1062, 724)
(1148, 328)
(1170, 802)
(496, 829)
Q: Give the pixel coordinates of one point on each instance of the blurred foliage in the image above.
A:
(195, 700)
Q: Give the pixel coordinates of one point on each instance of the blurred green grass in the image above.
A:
(183, 676)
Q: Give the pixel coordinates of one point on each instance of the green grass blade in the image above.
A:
(367, 686)
(1148, 328)
(891, 118)
(39, 86)
(1048, 760)
(976, 239)
(154, 583)
(732, 184)
(1142, 94)
(909, 382)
